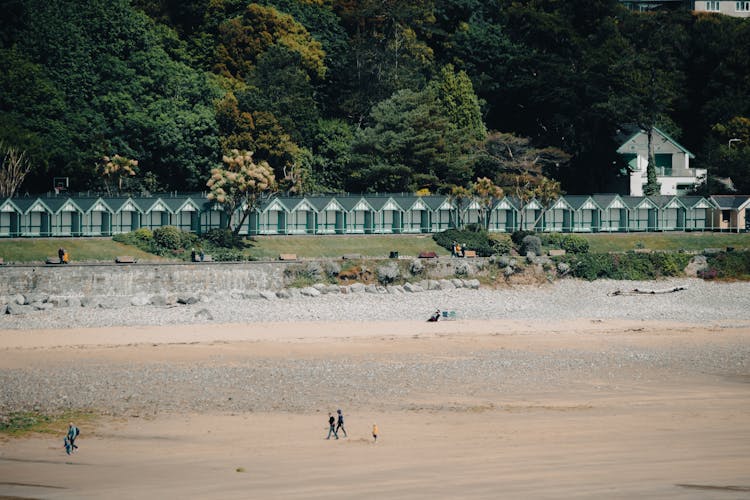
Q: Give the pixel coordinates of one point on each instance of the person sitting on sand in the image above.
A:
(435, 316)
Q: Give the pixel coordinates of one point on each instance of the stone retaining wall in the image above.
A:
(126, 280)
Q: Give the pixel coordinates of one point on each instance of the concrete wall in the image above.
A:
(73, 280)
(132, 279)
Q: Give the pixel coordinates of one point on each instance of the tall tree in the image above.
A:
(240, 186)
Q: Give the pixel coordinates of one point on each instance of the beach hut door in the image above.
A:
(623, 220)
(652, 226)
(310, 222)
(424, 221)
(368, 222)
(340, 222)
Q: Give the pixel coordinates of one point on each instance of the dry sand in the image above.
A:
(635, 429)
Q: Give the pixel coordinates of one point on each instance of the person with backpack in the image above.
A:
(73, 433)
(340, 423)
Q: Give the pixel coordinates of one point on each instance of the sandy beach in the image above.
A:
(523, 408)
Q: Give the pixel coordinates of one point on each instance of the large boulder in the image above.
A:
(188, 299)
(18, 309)
(268, 295)
(284, 294)
(446, 285)
(413, 288)
(472, 284)
(73, 302)
(309, 292)
(140, 300)
(356, 288)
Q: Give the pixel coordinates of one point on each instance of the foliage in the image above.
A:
(14, 168)
(241, 186)
(387, 273)
(518, 236)
(571, 243)
(627, 266)
(223, 238)
(167, 237)
(479, 241)
(729, 265)
(531, 244)
(373, 95)
(116, 167)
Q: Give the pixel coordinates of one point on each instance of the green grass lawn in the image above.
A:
(269, 247)
(36, 250)
(622, 242)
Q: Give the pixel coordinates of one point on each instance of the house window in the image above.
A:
(663, 164)
(712, 6)
(742, 6)
(726, 216)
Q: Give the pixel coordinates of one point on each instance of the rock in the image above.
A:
(395, 289)
(371, 289)
(472, 284)
(204, 314)
(37, 297)
(42, 306)
(18, 299)
(284, 294)
(251, 294)
(433, 285)
(17, 309)
(268, 295)
(114, 302)
(236, 295)
(140, 300)
(321, 287)
(356, 288)
(458, 283)
(187, 299)
(412, 288)
(89, 301)
(73, 302)
(333, 289)
(446, 285)
(158, 300)
(310, 292)
(294, 293)
(344, 290)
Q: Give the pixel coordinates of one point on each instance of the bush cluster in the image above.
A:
(628, 266)
(729, 265)
(571, 243)
(478, 240)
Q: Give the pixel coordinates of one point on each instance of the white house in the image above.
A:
(734, 8)
(672, 163)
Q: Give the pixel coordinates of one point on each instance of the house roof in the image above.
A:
(608, 201)
(638, 202)
(667, 201)
(630, 132)
(731, 202)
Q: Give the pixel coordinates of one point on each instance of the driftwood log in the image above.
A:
(638, 291)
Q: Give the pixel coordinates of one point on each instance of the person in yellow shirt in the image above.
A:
(375, 432)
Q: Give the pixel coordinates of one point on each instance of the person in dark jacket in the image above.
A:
(332, 426)
(340, 423)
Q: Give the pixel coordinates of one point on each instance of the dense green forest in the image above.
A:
(365, 95)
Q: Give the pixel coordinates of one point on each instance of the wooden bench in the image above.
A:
(52, 260)
(125, 259)
(556, 252)
(288, 256)
(427, 255)
(470, 254)
(352, 256)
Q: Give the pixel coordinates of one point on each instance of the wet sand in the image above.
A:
(646, 424)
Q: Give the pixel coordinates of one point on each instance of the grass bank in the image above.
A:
(622, 242)
(36, 250)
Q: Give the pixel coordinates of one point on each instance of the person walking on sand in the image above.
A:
(375, 432)
(332, 426)
(340, 423)
(73, 433)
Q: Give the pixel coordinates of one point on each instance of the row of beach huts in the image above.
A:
(86, 215)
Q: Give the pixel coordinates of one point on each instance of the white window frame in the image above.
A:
(742, 6)
(712, 6)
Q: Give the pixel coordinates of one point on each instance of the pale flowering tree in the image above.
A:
(116, 167)
(240, 186)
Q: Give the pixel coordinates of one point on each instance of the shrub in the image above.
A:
(518, 236)
(416, 267)
(223, 238)
(629, 266)
(479, 241)
(573, 243)
(388, 273)
(531, 244)
(730, 265)
(167, 237)
(331, 269)
(463, 269)
(501, 243)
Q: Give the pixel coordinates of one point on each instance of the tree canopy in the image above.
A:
(387, 95)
